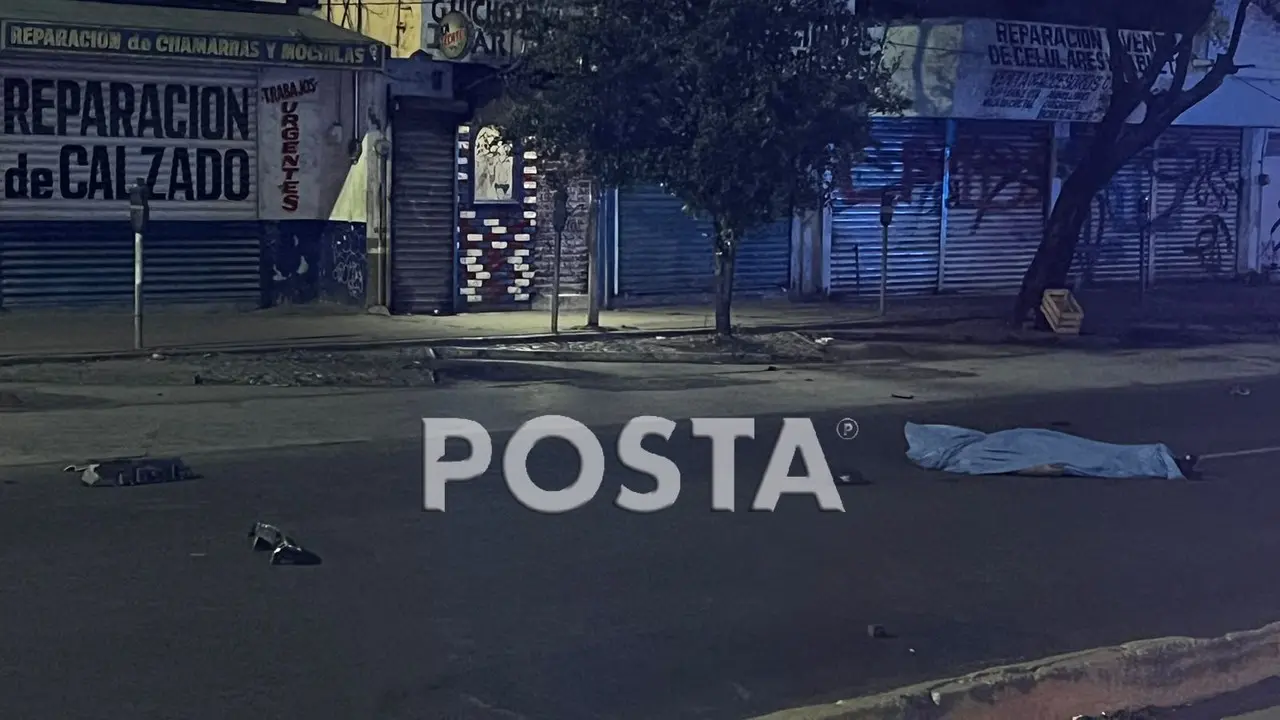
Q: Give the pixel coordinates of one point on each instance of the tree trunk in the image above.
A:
(1052, 263)
(726, 255)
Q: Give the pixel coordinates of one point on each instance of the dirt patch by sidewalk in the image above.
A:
(781, 347)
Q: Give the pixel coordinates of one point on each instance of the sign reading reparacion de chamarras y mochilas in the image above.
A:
(156, 44)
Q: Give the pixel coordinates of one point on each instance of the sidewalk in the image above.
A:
(28, 334)
(1202, 309)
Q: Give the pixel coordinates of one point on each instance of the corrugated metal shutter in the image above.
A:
(998, 182)
(70, 263)
(763, 264)
(906, 158)
(1197, 198)
(423, 172)
(68, 242)
(663, 251)
(1110, 247)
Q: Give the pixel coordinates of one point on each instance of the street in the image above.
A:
(148, 603)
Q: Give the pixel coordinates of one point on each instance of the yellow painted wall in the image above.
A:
(396, 23)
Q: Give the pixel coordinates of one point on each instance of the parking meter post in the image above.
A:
(139, 217)
(887, 202)
(559, 218)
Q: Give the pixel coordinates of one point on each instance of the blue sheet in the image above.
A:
(1026, 450)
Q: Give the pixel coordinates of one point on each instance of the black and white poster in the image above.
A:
(71, 147)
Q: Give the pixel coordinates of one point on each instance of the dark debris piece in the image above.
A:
(122, 472)
(1143, 714)
(284, 549)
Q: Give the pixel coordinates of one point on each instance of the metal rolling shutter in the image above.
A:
(663, 251)
(423, 175)
(764, 260)
(1110, 247)
(907, 158)
(63, 251)
(996, 203)
(1197, 199)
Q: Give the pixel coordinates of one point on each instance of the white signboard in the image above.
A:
(1036, 71)
(293, 123)
(72, 143)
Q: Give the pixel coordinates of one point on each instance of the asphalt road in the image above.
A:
(147, 603)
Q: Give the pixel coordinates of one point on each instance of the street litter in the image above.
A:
(878, 632)
(1028, 451)
(284, 549)
(128, 471)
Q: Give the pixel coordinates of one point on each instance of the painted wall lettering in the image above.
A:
(290, 134)
(181, 138)
(1036, 71)
(287, 95)
(60, 38)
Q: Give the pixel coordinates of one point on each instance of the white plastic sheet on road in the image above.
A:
(1033, 451)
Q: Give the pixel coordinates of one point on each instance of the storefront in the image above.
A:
(425, 177)
(247, 136)
(975, 168)
(664, 254)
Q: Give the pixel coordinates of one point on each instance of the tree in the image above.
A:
(744, 110)
(1154, 95)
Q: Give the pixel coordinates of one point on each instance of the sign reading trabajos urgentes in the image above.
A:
(148, 43)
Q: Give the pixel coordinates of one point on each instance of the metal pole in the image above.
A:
(593, 260)
(884, 268)
(555, 286)
(137, 291)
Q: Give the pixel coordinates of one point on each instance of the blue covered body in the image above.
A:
(971, 452)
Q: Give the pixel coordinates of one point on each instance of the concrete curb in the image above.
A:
(604, 356)
(1165, 672)
(483, 340)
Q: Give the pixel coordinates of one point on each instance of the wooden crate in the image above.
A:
(1062, 312)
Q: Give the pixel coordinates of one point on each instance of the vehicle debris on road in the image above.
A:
(128, 471)
(1035, 451)
(284, 549)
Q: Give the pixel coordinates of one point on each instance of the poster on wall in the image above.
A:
(1036, 71)
(302, 137)
(72, 146)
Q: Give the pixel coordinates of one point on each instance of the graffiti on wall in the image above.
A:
(1197, 188)
(316, 260)
(988, 177)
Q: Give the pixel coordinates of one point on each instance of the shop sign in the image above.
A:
(1038, 71)
(62, 39)
(470, 31)
(85, 140)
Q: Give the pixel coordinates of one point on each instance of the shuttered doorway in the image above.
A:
(906, 158)
(1109, 251)
(1198, 181)
(664, 252)
(70, 243)
(998, 188)
(423, 196)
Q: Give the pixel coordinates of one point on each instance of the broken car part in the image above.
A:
(119, 472)
(284, 549)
